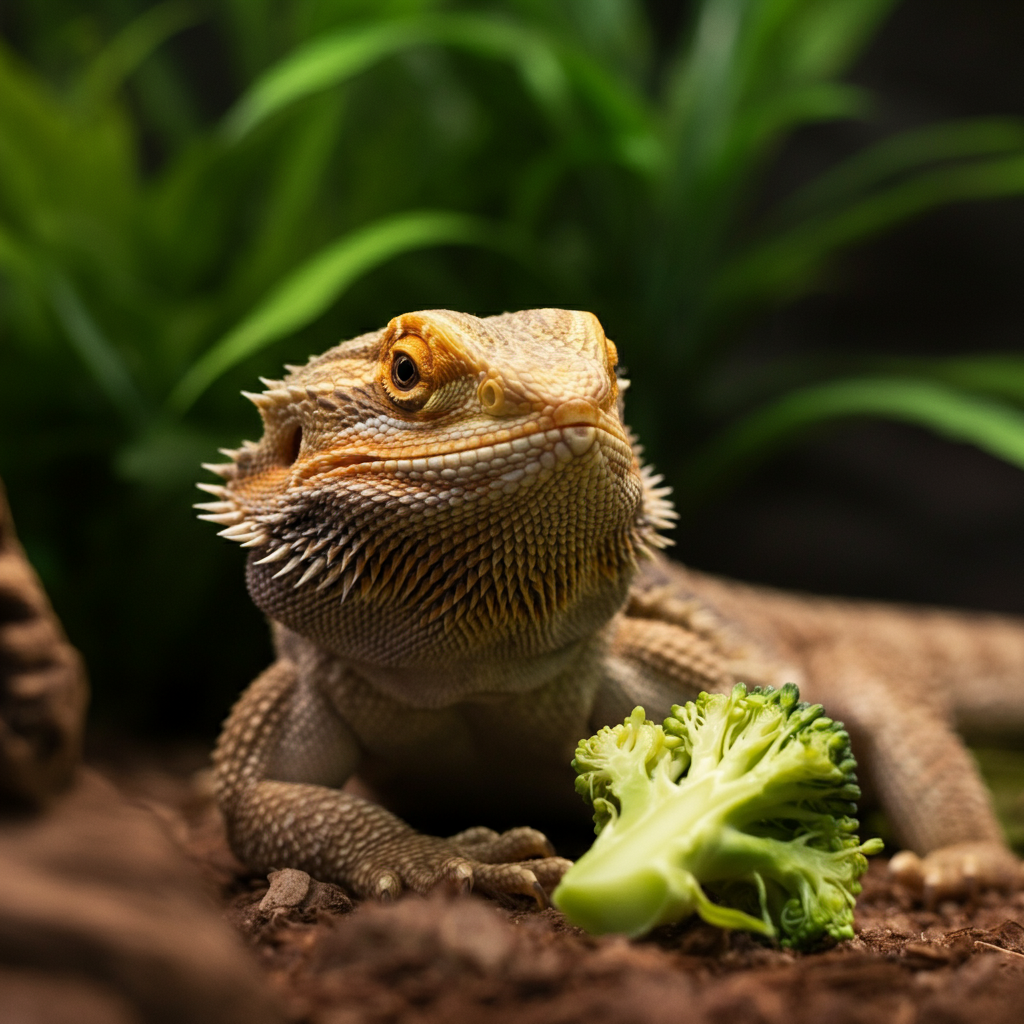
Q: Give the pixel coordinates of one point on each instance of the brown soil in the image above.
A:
(463, 959)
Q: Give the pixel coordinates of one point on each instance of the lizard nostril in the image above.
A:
(291, 451)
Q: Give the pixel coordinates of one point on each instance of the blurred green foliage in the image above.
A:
(192, 194)
(1003, 769)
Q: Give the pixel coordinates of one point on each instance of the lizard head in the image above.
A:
(448, 487)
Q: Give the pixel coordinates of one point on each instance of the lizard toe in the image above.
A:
(549, 870)
(479, 835)
(455, 876)
(443, 871)
(479, 859)
(957, 871)
(514, 845)
(535, 878)
(385, 886)
(509, 879)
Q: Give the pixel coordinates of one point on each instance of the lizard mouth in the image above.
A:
(576, 436)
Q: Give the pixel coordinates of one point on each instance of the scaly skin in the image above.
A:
(451, 528)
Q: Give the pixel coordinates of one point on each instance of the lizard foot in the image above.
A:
(520, 861)
(957, 871)
(506, 860)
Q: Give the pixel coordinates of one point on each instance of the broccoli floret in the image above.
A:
(738, 808)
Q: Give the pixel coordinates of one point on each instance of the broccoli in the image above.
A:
(737, 808)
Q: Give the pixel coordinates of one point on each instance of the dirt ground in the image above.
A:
(453, 960)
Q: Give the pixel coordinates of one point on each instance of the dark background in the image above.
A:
(864, 508)
(878, 509)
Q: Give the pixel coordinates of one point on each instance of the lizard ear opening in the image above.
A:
(292, 445)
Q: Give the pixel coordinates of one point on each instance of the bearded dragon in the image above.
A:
(460, 549)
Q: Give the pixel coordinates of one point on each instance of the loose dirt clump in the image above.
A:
(461, 959)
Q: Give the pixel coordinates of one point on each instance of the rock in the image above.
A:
(102, 917)
(43, 689)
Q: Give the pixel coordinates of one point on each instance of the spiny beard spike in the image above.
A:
(233, 532)
(288, 568)
(222, 518)
(331, 576)
(217, 490)
(259, 399)
(313, 570)
(276, 555)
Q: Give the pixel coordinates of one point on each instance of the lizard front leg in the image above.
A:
(657, 663)
(279, 760)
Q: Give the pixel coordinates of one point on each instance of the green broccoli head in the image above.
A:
(621, 760)
(738, 808)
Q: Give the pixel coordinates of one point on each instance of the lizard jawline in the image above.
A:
(329, 462)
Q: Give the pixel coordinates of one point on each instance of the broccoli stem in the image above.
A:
(618, 886)
(737, 801)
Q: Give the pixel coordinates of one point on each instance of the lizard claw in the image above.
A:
(541, 896)
(523, 879)
(958, 871)
(549, 870)
(387, 887)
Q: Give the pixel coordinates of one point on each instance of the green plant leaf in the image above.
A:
(626, 115)
(998, 374)
(757, 128)
(331, 59)
(96, 351)
(899, 155)
(164, 455)
(16, 259)
(994, 374)
(65, 179)
(132, 45)
(296, 182)
(315, 285)
(994, 427)
(784, 265)
(820, 38)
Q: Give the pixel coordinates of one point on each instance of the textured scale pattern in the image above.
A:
(510, 535)
(452, 529)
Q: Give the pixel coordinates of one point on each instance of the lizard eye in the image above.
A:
(405, 375)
